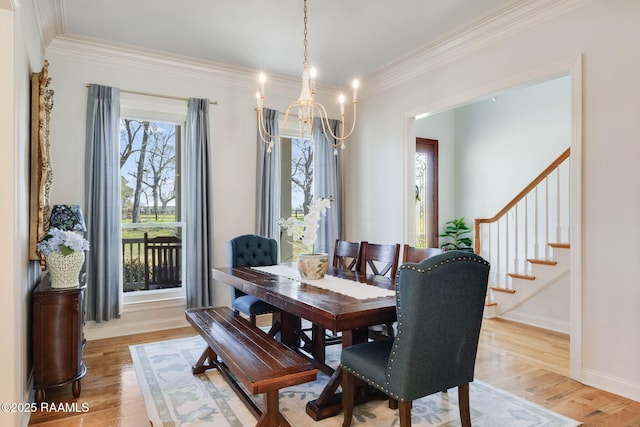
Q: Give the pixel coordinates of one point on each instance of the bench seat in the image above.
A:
(246, 354)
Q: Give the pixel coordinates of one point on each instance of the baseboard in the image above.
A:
(611, 384)
(540, 322)
(115, 328)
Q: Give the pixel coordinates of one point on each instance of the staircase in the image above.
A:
(521, 241)
(542, 274)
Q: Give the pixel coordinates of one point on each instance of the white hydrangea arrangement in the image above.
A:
(64, 242)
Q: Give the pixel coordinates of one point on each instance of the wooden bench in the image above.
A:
(246, 354)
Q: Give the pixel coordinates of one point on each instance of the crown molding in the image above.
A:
(491, 27)
(49, 20)
(95, 51)
(82, 49)
(497, 24)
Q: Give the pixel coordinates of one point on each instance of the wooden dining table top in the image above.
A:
(331, 310)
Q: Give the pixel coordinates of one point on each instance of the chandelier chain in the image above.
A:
(305, 34)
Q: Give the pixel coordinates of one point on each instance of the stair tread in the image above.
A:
(560, 245)
(542, 261)
(522, 276)
(505, 290)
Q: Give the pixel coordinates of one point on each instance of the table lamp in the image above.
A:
(67, 218)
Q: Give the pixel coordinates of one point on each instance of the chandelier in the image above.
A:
(307, 107)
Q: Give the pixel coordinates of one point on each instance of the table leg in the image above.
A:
(318, 343)
(289, 327)
(329, 403)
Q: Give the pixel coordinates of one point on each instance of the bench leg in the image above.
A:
(271, 415)
(205, 362)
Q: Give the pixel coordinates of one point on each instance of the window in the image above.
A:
(426, 193)
(150, 164)
(296, 188)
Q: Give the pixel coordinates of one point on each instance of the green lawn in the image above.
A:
(138, 233)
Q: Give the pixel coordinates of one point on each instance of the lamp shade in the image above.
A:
(67, 218)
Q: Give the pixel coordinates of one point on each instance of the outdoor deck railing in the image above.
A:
(134, 265)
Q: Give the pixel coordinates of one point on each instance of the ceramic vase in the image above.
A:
(313, 266)
(64, 270)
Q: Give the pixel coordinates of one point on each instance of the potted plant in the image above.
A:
(311, 265)
(64, 252)
(456, 232)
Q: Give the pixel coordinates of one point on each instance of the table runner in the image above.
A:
(339, 285)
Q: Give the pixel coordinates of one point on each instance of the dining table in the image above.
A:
(343, 301)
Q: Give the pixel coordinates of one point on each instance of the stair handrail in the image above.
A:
(521, 195)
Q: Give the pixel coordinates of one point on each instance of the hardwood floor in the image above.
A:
(526, 361)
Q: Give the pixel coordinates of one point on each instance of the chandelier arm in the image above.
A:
(287, 113)
(263, 130)
(353, 123)
(326, 128)
(324, 116)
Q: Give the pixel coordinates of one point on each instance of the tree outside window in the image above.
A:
(150, 190)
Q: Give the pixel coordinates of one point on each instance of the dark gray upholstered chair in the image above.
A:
(251, 250)
(439, 303)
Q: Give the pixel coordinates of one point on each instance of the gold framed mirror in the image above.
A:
(41, 173)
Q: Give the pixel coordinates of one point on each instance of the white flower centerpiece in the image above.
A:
(312, 265)
(64, 252)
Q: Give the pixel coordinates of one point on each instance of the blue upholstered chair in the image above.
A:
(250, 250)
(439, 303)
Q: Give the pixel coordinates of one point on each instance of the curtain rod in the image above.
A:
(178, 98)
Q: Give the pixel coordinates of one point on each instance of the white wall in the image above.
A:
(10, 392)
(74, 64)
(606, 34)
(20, 54)
(548, 309)
(502, 145)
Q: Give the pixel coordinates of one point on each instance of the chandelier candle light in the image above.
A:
(307, 107)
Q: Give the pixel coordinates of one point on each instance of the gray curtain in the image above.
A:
(102, 196)
(268, 181)
(327, 182)
(198, 242)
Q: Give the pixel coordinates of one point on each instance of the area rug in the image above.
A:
(175, 397)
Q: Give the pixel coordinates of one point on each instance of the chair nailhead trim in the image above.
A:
(384, 389)
(411, 266)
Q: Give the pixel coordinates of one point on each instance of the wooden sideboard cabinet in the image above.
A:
(58, 338)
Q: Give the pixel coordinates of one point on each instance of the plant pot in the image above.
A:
(64, 270)
(313, 266)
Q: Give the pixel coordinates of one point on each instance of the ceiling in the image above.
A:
(346, 38)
